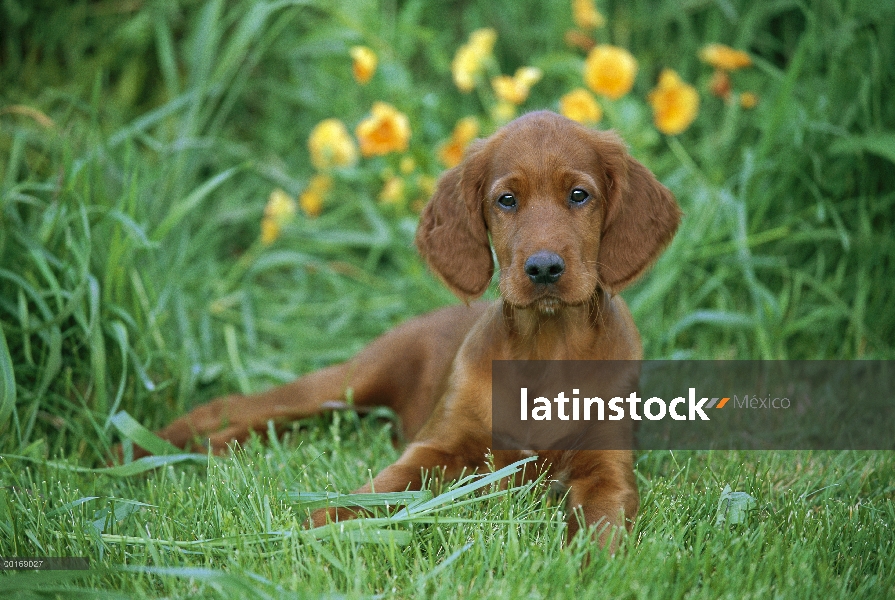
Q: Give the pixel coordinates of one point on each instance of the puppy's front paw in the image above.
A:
(324, 516)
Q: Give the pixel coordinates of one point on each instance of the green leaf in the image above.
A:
(132, 430)
(448, 497)
(733, 506)
(123, 508)
(881, 144)
(147, 463)
(312, 500)
(184, 206)
(386, 537)
(7, 381)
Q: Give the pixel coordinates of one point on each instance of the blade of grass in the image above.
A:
(142, 465)
(135, 432)
(311, 500)
(7, 383)
(182, 208)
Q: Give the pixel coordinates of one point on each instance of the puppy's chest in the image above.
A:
(558, 337)
(554, 346)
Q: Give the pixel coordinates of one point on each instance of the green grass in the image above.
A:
(820, 527)
(138, 145)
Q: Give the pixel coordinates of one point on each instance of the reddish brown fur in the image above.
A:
(435, 370)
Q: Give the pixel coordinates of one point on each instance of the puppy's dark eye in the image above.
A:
(507, 201)
(578, 196)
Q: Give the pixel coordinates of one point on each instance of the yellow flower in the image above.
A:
(464, 68)
(407, 165)
(270, 231)
(385, 130)
(724, 57)
(311, 200)
(506, 89)
(528, 76)
(610, 70)
(393, 191)
(482, 41)
(503, 111)
(470, 58)
(280, 209)
(279, 206)
(451, 152)
(586, 15)
(748, 100)
(466, 129)
(580, 105)
(515, 89)
(364, 63)
(675, 103)
(331, 145)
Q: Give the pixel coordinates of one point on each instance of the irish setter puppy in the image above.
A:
(573, 219)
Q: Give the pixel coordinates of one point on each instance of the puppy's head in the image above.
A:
(568, 209)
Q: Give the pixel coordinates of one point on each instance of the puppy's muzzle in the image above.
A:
(544, 267)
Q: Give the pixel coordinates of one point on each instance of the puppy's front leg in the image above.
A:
(603, 492)
(455, 437)
(405, 474)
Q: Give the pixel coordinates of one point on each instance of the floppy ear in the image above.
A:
(639, 219)
(451, 236)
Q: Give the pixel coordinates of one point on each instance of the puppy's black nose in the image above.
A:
(544, 267)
